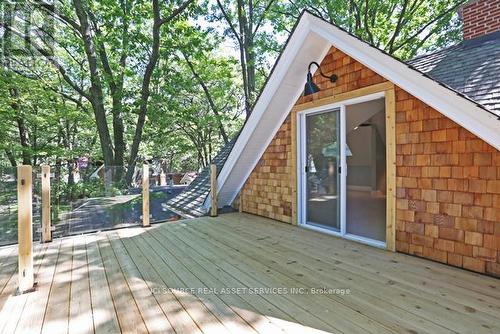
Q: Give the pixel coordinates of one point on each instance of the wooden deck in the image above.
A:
(183, 277)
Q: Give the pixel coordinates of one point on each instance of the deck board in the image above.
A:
(104, 315)
(198, 311)
(161, 280)
(80, 316)
(127, 311)
(246, 311)
(178, 317)
(151, 313)
(450, 276)
(231, 320)
(414, 301)
(417, 275)
(8, 265)
(390, 316)
(305, 306)
(246, 304)
(31, 319)
(12, 304)
(56, 319)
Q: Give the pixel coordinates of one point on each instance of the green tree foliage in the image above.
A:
(402, 28)
(123, 81)
(54, 127)
(200, 100)
(107, 44)
(245, 22)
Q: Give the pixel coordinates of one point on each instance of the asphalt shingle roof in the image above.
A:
(190, 201)
(471, 68)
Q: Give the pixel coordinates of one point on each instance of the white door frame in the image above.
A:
(301, 175)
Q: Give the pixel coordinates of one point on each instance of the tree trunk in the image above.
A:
(118, 135)
(249, 50)
(57, 179)
(96, 93)
(11, 157)
(23, 131)
(115, 84)
(145, 91)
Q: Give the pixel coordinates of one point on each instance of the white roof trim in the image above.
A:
(459, 109)
(310, 41)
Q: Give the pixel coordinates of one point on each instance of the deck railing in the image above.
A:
(50, 204)
(39, 203)
(93, 199)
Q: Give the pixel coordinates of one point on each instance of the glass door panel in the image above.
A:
(322, 169)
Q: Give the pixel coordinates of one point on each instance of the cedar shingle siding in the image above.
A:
(448, 180)
(448, 189)
(268, 190)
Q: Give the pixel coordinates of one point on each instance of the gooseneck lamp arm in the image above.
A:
(332, 77)
(310, 87)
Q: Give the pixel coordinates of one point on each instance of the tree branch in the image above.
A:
(209, 98)
(436, 19)
(398, 26)
(367, 27)
(61, 17)
(47, 86)
(261, 18)
(146, 81)
(176, 12)
(230, 23)
(50, 58)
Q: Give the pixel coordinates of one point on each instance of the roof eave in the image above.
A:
(460, 109)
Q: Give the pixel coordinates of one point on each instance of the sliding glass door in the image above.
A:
(322, 170)
(342, 170)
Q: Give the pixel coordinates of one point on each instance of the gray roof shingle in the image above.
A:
(471, 68)
(190, 201)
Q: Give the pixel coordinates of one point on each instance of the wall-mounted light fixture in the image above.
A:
(311, 87)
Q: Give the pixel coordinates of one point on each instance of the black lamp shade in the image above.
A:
(310, 87)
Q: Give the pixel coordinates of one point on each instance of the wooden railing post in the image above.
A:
(213, 190)
(25, 227)
(163, 178)
(145, 196)
(46, 216)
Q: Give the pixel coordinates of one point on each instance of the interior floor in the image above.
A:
(366, 214)
(322, 211)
